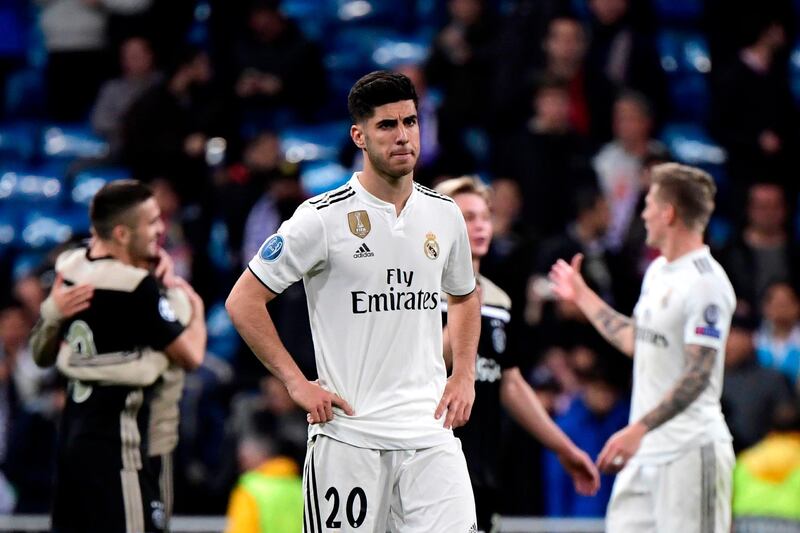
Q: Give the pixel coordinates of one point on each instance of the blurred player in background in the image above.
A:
(374, 256)
(498, 380)
(121, 341)
(675, 458)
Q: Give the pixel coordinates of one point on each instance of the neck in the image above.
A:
(584, 233)
(564, 69)
(101, 248)
(637, 147)
(476, 265)
(680, 243)
(392, 190)
(782, 329)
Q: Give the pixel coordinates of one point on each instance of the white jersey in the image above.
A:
(372, 281)
(687, 301)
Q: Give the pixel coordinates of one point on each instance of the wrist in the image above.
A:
(50, 311)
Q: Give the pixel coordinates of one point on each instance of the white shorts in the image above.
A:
(691, 494)
(374, 491)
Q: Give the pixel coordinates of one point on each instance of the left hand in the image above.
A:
(620, 448)
(582, 470)
(165, 269)
(457, 400)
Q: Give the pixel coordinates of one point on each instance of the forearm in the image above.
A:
(615, 327)
(524, 406)
(45, 338)
(464, 330)
(696, 378)
(254, 324)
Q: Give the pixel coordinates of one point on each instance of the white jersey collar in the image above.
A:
(373, 200)
(676, 263)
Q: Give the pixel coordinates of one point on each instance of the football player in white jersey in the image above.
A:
(374, 255)
(675, 457)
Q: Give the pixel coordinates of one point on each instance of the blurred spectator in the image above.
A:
(583, 235)
(753, 114)
(166, 131)
(173, 240)
(269, 495)
(14, 329)
(778, 340)
(623, 53)
(77, 63)
(766, 479)
(751, 393)
(547, 159)
(619, 163)
(460, 63)
(762, 253)
(116, 96)
(277, 188)
(279, 70)
(593, 416)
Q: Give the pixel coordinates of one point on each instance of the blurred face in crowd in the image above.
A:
(466, 12)
(552, 109)
(479, 222)
(136, 58)
(14, 329)
(599, 217)
(739, 347)
(600, 397)
(416, 75)
(657, 216)
(608, 11)
(565, 41)
(263, 152)
(390, 138)
(632, 124)
(781, 306)
(145, 232)
(766, 208)
(266, 24)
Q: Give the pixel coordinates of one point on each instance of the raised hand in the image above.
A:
(566, 278)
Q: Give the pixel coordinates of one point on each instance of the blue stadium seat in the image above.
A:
(87, 182)
(17, 142)
(397, 15)
(312, 143)
(794, 71)
(70, 141)
(678, 11)
(686, 60)
(307, 14)
(25, 93)
(391, 53)
(43, 229)
(691, 144)
(320, 176)
(9, 222)
(31, 186)
(223, 340)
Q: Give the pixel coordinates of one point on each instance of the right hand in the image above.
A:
(71, 300)
(198, 307)
(566, 278)
(317, 402)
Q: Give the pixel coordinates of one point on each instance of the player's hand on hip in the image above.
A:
(457, 400)
(318, 402)
(566, 279)
(582, 470)
(71, 300)
(620, 447)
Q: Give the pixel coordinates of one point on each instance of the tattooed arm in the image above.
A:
(625, 442)
(568, 284)
(700, 361)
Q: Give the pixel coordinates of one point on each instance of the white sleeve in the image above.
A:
(458, 277)
(708, 314)
(299, 248)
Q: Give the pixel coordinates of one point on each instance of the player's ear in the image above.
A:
(121, 234)
(357, 134)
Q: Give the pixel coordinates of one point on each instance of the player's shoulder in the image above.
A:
(706, 276)
(108, 273)
(493, 295)
(325, 201)
(430, 194)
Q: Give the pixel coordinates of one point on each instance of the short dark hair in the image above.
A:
(113, 202)
(689, 189)
(376, 89)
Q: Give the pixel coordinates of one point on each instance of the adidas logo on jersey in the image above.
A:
(363, 251)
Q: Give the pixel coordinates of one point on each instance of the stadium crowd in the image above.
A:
(235, 112)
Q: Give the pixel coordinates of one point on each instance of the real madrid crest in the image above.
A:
(359, 223)
(431, 246)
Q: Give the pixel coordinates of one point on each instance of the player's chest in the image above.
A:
(373, 244)
(659, 313)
